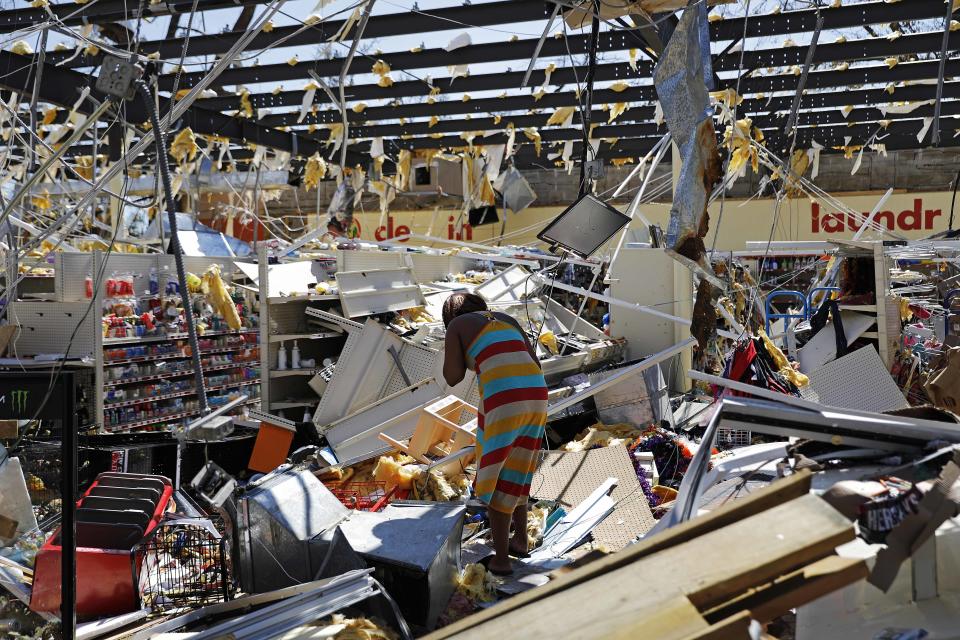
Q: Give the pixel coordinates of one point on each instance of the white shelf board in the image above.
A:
(283, 337)
(302, 298)
(293, 372)
(293, 404)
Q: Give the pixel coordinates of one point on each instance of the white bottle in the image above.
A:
(282, 358)
(306, 415)
(295, 356)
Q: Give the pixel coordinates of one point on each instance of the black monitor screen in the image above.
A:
(584, 226)
(483, 215)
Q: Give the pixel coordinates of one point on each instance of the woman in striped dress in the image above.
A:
(512, 413)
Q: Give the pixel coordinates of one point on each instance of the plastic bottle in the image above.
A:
(295, 356)
(306, 415)
(282, 358)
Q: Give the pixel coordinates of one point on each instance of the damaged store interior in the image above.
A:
(456, 319)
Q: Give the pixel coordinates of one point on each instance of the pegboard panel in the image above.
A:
(365, 260)
(418, 362)
(46, 327)
(858, 381)
(324, 414)
(570, 478)
(199, 264)
(72, 270)
(340, 321)
(889, 331)
(468, 390)
(76, 267)
(431, 268)
(287, 318)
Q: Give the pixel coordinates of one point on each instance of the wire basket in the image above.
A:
(364, 496)
(182, 563)
(733, 438)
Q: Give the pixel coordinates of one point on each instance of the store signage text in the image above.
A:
(913, 219)
(391, 230)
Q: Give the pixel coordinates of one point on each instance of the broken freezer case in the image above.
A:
(278, 523)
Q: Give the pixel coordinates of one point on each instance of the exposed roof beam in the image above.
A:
(516, 11)
(379, 26)
(102, 11)
(406, 60)
(875, 74)
(863, 49)
(62, 87)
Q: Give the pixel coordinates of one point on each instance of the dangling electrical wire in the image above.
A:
(163, 167)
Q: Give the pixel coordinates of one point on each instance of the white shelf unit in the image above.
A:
(283, 319)
(885, 312)
(48, 327)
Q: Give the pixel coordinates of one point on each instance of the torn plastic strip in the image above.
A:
(681, 89)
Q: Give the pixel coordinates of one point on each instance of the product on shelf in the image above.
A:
(149, 382)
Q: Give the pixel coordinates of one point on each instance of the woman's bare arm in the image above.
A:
(454, 359)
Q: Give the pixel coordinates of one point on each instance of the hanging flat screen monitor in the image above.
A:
(584, 226)
(483, 215)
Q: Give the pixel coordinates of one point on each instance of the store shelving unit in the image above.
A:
(151, 390)
(283, 320)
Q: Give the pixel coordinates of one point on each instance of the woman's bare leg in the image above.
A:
(500, 528)
(518, 543)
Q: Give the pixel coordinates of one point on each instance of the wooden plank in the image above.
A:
(780, 491)
(673, 619)
(736, 626)
(709, 570)
(795, 589)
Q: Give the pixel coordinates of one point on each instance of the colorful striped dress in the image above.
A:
(512, 414)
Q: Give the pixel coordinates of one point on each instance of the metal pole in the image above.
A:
(344, 70)
(536, 51)
(41, 57)
(68, 498)
(943, 68)
(163, 169)
(585, 115)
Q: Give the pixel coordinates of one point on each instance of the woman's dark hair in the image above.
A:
(460, 303)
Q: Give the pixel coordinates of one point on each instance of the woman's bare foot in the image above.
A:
(499, 567)
(518, 545)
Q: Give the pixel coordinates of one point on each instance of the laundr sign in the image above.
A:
(916, 218)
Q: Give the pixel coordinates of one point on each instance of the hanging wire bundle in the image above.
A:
(182, 563)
